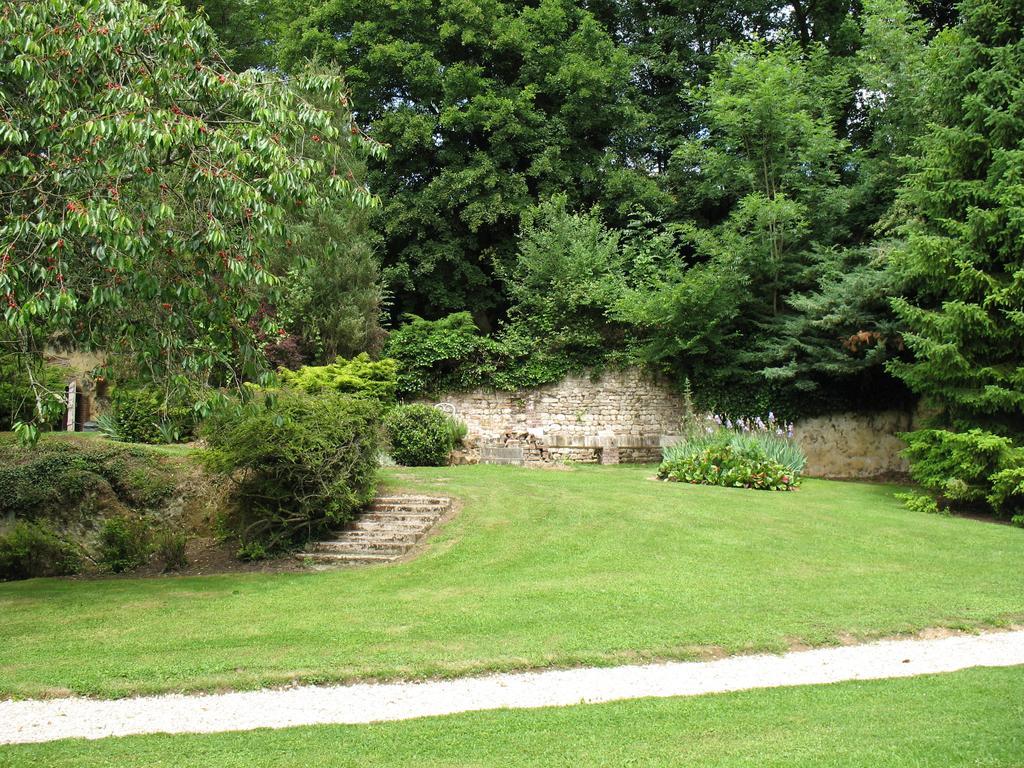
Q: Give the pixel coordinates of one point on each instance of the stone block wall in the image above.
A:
(855, 445)
(628, 416)
(618, 415)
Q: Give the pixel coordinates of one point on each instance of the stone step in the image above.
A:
(404, 526)
(402, 537)
(410, 517)
(391, 527)
(423, 509)
(365, 546)
(344, 558)
(432, 500)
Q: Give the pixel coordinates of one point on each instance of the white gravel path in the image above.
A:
(47, 720)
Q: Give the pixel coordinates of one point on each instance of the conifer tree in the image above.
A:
(963, 262)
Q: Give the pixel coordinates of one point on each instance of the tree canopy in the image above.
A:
(144, 185)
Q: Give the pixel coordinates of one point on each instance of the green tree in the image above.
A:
(962, 265)
(143, 184)
(488, 107)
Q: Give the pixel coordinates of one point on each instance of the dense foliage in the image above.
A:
(359, 377)
(17, 393)
(298, 463)
(420, 435)
(124, 543)
(144, 185)
(973, 469)
(487, 107)
(962, 263)
(69, 479)
(32, 548)
(436, 356)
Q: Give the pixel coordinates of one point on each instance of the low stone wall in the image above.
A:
(854, 445)
(618, 415)
(628, 416)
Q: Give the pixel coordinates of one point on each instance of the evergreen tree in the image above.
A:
(963, 264)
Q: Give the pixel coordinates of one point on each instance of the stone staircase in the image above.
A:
(388, 529)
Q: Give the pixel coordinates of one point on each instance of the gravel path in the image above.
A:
(47, 720)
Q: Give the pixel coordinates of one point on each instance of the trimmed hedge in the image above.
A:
(420, 435)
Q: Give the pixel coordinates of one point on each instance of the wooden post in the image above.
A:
(72, 391)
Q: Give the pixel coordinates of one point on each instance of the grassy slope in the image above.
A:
(595, 565)
(969, 718)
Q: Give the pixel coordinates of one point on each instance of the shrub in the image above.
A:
(1007, 496)
(170, 548)
(727, 465)
(359, 377)
(458, 429)
(748, 453)
(124, 543)
(420, 435)
(33, 549)
(919, 502)
(17, 399)
(972, 469)
(298, 463)
(956, 466)
(251, 552)
(137, 416)
(436, 356)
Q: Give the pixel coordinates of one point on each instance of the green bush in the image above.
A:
(919, 502)
(124, 543)
(420, 435)
(298, 463)
(359, 377)
(436, 356)
(137, 416)
(33, 549)
(725, 464)
(973, 469)
(17, 400)
(459, 430)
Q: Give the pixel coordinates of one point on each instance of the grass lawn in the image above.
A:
(969, 718)
(596, 565)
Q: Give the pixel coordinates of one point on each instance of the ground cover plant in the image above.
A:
(79, 502)
(969, 718)
(595, 565)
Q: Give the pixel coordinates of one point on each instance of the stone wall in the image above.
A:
(619, 414)
(854, 445)
(627, 416)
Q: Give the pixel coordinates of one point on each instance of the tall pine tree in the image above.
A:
(963, 262)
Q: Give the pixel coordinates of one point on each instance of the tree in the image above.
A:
(962, 266)
(331, 295)
(143, 185)
(488, 107)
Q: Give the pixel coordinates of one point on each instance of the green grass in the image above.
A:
(970, 718)
(597, 565)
